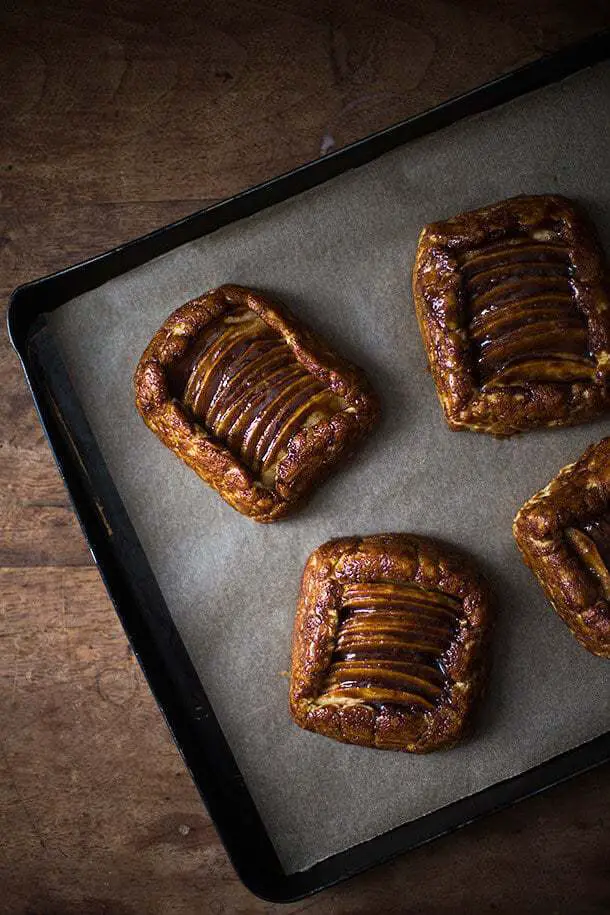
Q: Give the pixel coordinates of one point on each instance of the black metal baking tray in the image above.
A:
(123, 564)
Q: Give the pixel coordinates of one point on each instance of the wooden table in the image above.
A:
(116, 120)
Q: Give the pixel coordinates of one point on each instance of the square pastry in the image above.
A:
(255, 404)
(513, 303)
(390, 643)
(563, 533)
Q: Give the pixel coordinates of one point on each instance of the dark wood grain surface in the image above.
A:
(117, 117)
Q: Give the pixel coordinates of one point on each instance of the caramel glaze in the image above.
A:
(591, 541)
(243, 383)
(390, 645)
(523, 319)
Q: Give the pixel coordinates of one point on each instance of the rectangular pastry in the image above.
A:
(513, 303)
(255, 404)
(563, 533)
(390, 643)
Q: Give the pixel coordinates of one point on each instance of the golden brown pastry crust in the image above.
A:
(313, 451)
(399, 558)
(579, 492)
(441, 311)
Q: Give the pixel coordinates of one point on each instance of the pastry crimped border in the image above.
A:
(580, 490)
(388, 557)
(437, 292)
(312, 452)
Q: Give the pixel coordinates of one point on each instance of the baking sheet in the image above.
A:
(340, 257)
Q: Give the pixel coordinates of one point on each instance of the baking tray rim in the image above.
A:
(189, 717)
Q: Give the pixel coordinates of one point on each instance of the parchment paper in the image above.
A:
(340, 256)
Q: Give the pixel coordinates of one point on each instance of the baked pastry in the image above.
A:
(513, 303)
(390, 643)
(563, 533)
(255, 404)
